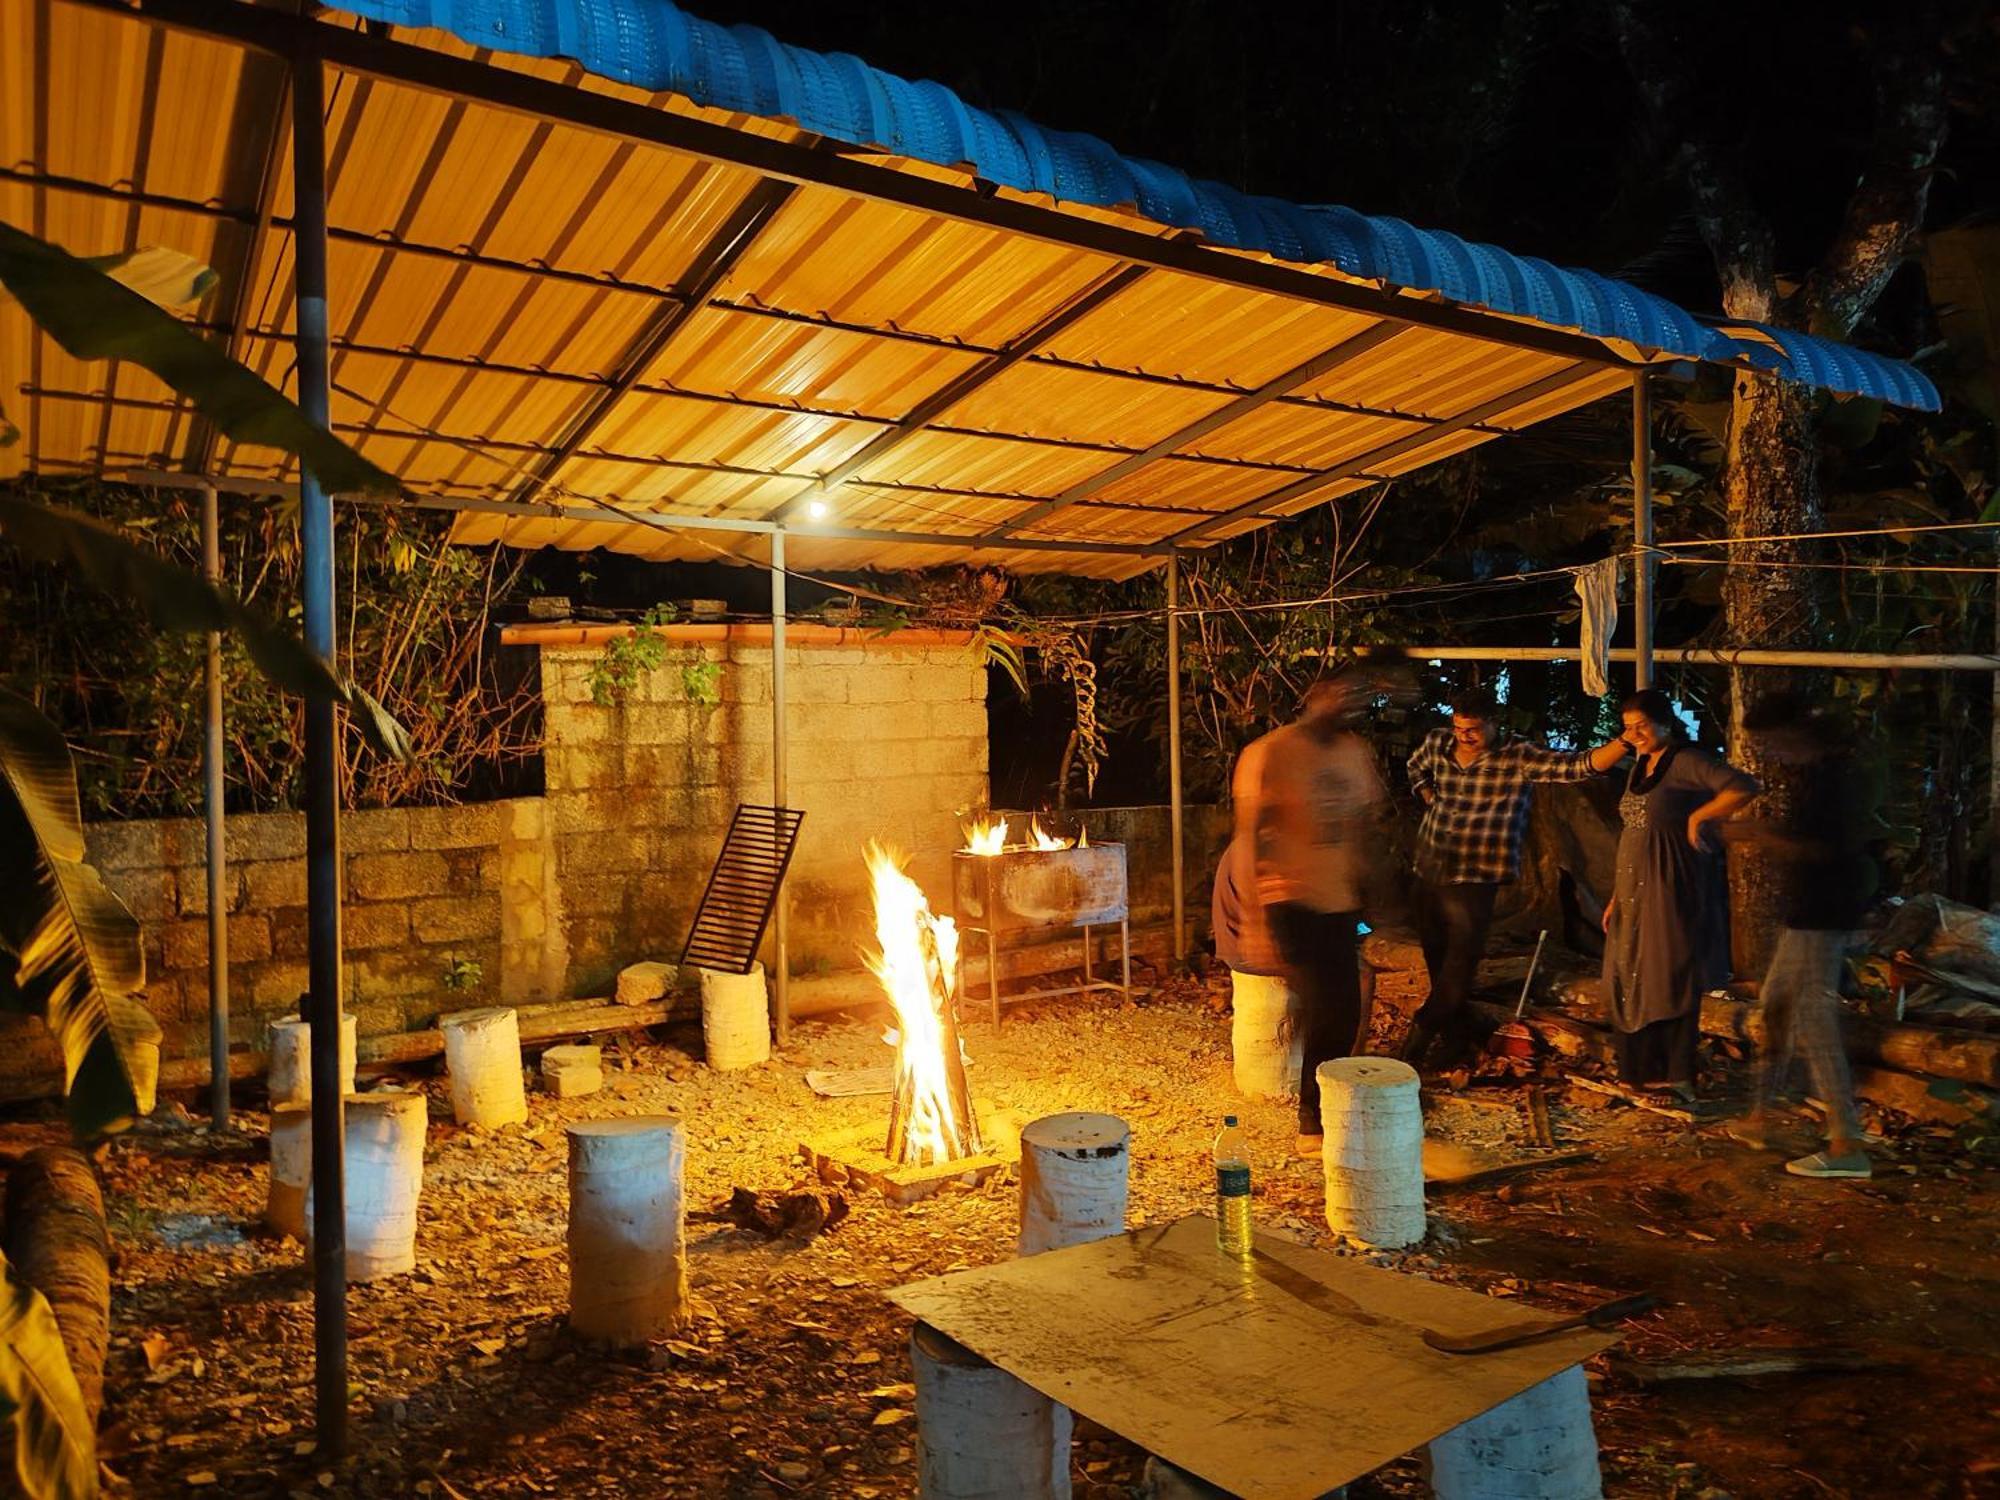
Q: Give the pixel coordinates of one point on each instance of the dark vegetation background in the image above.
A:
(1515, 122)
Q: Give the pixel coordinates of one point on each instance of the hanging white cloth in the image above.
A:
(1597, 587)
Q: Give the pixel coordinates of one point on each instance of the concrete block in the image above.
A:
(643, 982)
(571, 1071)
(272, 988)
(125, 846)
(391, 877)
(522, 818)
(288, 932)
(374, 924)
(471, 826)
(251, 836)
(454, 919)
(272, 883)
(184, 945)
(375, 830)
(151, 895)
(191, 888)
(582, 724)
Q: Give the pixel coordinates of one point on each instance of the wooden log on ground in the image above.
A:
(1970, 1057)
(58, 1244)
(1743, 1364)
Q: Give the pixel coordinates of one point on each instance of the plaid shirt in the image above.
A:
(1478, 814)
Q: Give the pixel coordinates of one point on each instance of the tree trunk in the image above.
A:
(57, 1242)
(1771, 488)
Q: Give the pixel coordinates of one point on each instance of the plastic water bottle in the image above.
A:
(1232, 1191)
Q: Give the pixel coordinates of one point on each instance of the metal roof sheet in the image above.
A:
(654, 45)
(530, 308)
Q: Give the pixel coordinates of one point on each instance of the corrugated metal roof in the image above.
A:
(1060, 378)
(655, 45)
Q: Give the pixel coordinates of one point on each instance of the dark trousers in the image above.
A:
(1321, 950)
(1451, 925)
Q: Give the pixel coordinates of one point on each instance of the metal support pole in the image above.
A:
(1642, 528)
(1174, 751)
(218, 901)
(322, 764)
(781, 955)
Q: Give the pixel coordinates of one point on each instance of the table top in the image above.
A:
(1278, 1378)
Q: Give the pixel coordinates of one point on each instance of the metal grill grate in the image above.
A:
(743, 888)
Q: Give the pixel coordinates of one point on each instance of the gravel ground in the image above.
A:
(793, 1379)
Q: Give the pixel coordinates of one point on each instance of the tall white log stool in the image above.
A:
(627, 1243)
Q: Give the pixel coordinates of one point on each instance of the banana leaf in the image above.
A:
(69, 949)
(174, 599)
(94, 316)
(52, 1448)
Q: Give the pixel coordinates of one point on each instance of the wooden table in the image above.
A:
(1279, 1378)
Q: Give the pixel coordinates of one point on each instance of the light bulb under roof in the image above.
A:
(816, 510)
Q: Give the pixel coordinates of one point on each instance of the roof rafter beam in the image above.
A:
(927, 411)
(606, 514)
(381, 240)
(709, 269)
(264, 154)
(803, 163)
(1323, 363)
(1360, 465)
(474, 445)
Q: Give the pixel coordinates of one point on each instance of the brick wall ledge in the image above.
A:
(738, 635)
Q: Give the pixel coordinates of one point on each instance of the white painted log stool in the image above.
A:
(1075, 1177)
(1266, 1042)
(570, 1072)
(982, 1434)
(291, 1169)
(289, 1042)
(1075, 1172)
(1538, 1446)
(384, 1159)
(1164, 1481)
(735, 1018)
(1374, 1152)
(627, 1256)
(482, 1053)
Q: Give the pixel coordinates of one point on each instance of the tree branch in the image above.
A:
(1739, 238)
(1886, 209)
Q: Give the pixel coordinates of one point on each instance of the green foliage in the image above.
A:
(701, 683)
(413, 626)
(464, 974)
(627, 658)
(52, 1449)
(69, 949)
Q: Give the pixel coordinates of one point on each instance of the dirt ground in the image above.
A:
(793, 1379)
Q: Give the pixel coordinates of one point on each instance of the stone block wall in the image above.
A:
(422, 887)
(550, 896)
(886, 740)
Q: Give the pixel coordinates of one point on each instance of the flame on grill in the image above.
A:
(986, 835)
(1044, 840)
(931, 1118)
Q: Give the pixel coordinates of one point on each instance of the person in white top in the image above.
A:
(1311, 804)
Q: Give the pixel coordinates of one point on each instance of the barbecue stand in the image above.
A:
(1025, 889)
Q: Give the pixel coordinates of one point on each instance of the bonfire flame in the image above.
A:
(931, 1119)
(986, 835)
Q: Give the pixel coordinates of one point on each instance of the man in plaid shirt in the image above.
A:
(1474, 782)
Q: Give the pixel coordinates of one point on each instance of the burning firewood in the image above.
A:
(930, 1109)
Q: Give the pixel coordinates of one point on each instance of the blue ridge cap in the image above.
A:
(652, 44)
